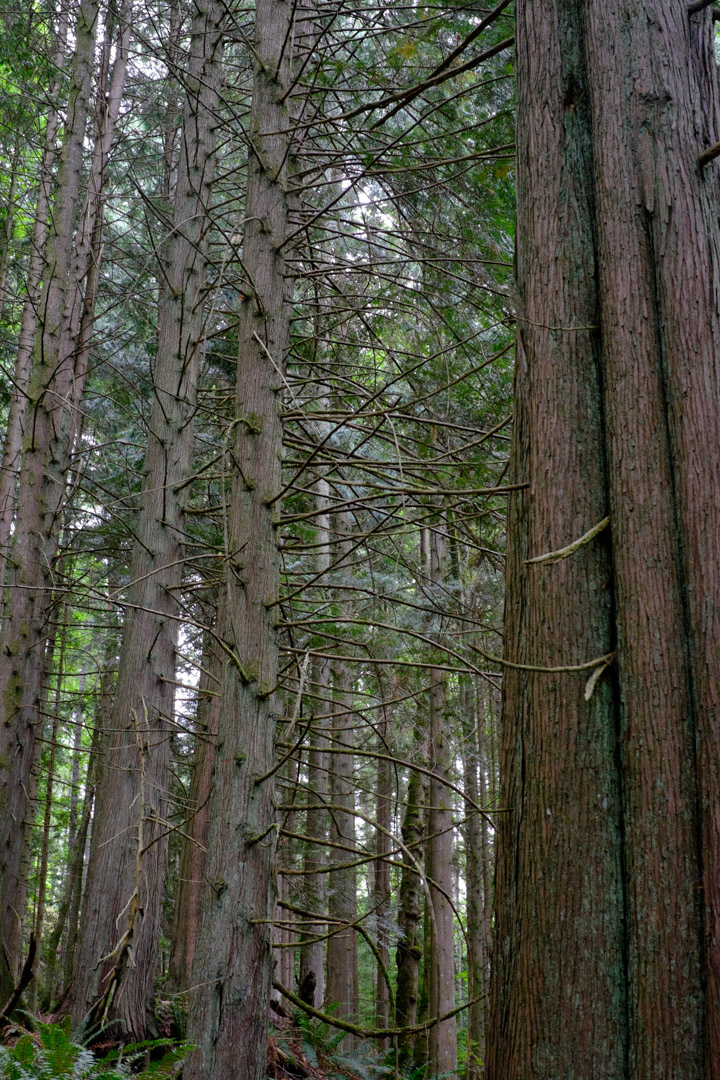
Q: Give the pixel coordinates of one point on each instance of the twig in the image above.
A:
(25, 977)
(563, 553)
(711, 153)
(371, 1033)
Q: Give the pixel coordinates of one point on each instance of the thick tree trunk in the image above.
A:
(557, 994)
(233, 960)
(608, 890)
(656, 104)
(120, 919)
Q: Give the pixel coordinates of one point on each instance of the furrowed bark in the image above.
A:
(144, 699)
(233, 959)
(557, 991)
(654, 90)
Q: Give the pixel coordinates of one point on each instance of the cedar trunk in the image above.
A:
(606, 960)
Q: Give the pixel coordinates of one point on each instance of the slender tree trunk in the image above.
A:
(72, 887)
(342, 953)
(233, 959)
(409, 951)
(312, 954)
(383, 817)
(117, 922)
(443, 1037)
(13, 442)
(96, 765)
(186, 915)
(474, 884)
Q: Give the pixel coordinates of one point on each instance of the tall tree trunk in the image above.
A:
(13, 441)
(342, 952)
(443, 1036)
(615, 107)
(233, 959)
(117, 920)
(409, 950)
(474, 884)
(655, 98)
(559, 897)
(24, 627)
(186, 915)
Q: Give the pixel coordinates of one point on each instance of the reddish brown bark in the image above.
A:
(559, 906)
(617, 229)
(656, 105)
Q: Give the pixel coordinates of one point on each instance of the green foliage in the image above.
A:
(51, 1053)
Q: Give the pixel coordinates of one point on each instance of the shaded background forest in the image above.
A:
(125, 135)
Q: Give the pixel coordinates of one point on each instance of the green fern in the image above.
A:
(50, 1053)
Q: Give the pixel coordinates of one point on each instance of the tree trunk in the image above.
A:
(117, 917)
(233, 959)
(186, 915)
(608, 891)
(24, 628)
(443, 1036)
(474, 884)
(409, 951)
(342, 952)
(312, 953)
(12, 446)
(383, 817)
(655, 100)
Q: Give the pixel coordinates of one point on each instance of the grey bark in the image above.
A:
(233, 959)
(118, 914)
(186, 914)
(47, 441)
(13, 441)
(342, 955)
(443, 1036)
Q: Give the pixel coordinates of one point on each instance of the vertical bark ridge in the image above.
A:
(559, 899)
